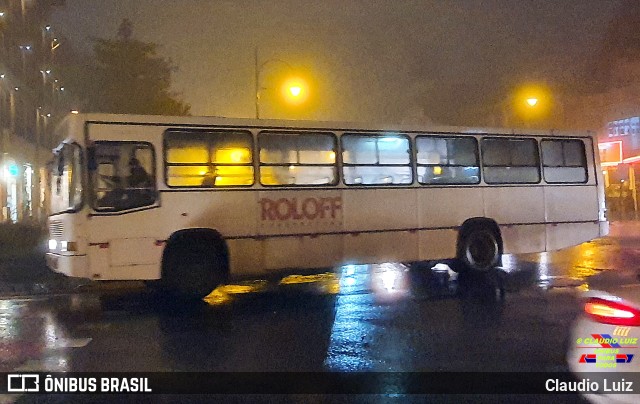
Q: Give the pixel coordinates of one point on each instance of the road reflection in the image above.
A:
(356, 318)
(28, 335)
(571, 267)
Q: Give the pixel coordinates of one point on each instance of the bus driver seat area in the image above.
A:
(136, 192)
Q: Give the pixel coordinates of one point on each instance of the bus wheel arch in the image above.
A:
(479, 246)
(194, 262)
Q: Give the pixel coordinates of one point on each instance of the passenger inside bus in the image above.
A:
(138, 178)
(210, 177)
(138, 190)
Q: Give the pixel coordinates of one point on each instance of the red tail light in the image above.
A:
(610, 312)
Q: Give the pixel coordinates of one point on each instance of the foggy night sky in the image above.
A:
(372, 60)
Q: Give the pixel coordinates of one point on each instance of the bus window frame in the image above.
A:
(83, 198)
(584, 156)
(448, 136)
(166, 164)
(335, 165)
(153, 174)
(411, 154)
(511, 137)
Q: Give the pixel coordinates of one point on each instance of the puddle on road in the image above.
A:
(30, 334)
(225, 293)
(563, 282)
(567, 269)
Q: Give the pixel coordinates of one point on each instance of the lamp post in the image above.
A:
(294, 89)
(3, 48)
(45, 73)
(23, 51)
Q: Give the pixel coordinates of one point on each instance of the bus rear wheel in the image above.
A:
(479, 249)
(193, 268)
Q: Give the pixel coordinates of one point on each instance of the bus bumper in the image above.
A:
(75, 266)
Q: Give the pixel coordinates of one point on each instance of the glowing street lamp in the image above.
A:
(45, 73)
(294, 90)
(24, 49)
(530, 103)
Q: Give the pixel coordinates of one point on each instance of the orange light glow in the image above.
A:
(610, 153)
(295, 91)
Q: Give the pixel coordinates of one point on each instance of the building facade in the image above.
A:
(619, 146)
(32, 99)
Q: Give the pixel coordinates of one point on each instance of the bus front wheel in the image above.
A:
(479, 249)
(194, 267)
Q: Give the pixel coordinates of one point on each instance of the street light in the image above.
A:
(293, 89)
(45, 73)
(530, 104)
(23, 51)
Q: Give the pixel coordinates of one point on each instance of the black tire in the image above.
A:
(479, 249)
(194, 268)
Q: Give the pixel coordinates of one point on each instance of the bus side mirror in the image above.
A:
(92, 165)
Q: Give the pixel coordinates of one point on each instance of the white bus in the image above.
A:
(193, 201)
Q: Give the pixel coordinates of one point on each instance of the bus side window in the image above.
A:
(293, 158)
(563, 161)
(125, 176)
(379, 159)
(216, 158)
(510, 161)
(447, 160)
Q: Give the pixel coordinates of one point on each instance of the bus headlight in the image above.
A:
(53, 244)
(68, 246)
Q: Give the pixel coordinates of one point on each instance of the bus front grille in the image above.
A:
(55, 229)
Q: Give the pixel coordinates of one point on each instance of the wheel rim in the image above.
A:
(482, 250)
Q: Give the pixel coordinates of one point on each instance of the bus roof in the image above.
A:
(196, 121)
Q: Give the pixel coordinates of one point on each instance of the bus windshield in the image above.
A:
(66, 179)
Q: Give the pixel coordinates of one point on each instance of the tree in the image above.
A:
(128, 77)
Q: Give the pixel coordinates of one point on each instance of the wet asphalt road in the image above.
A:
(356, 318)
